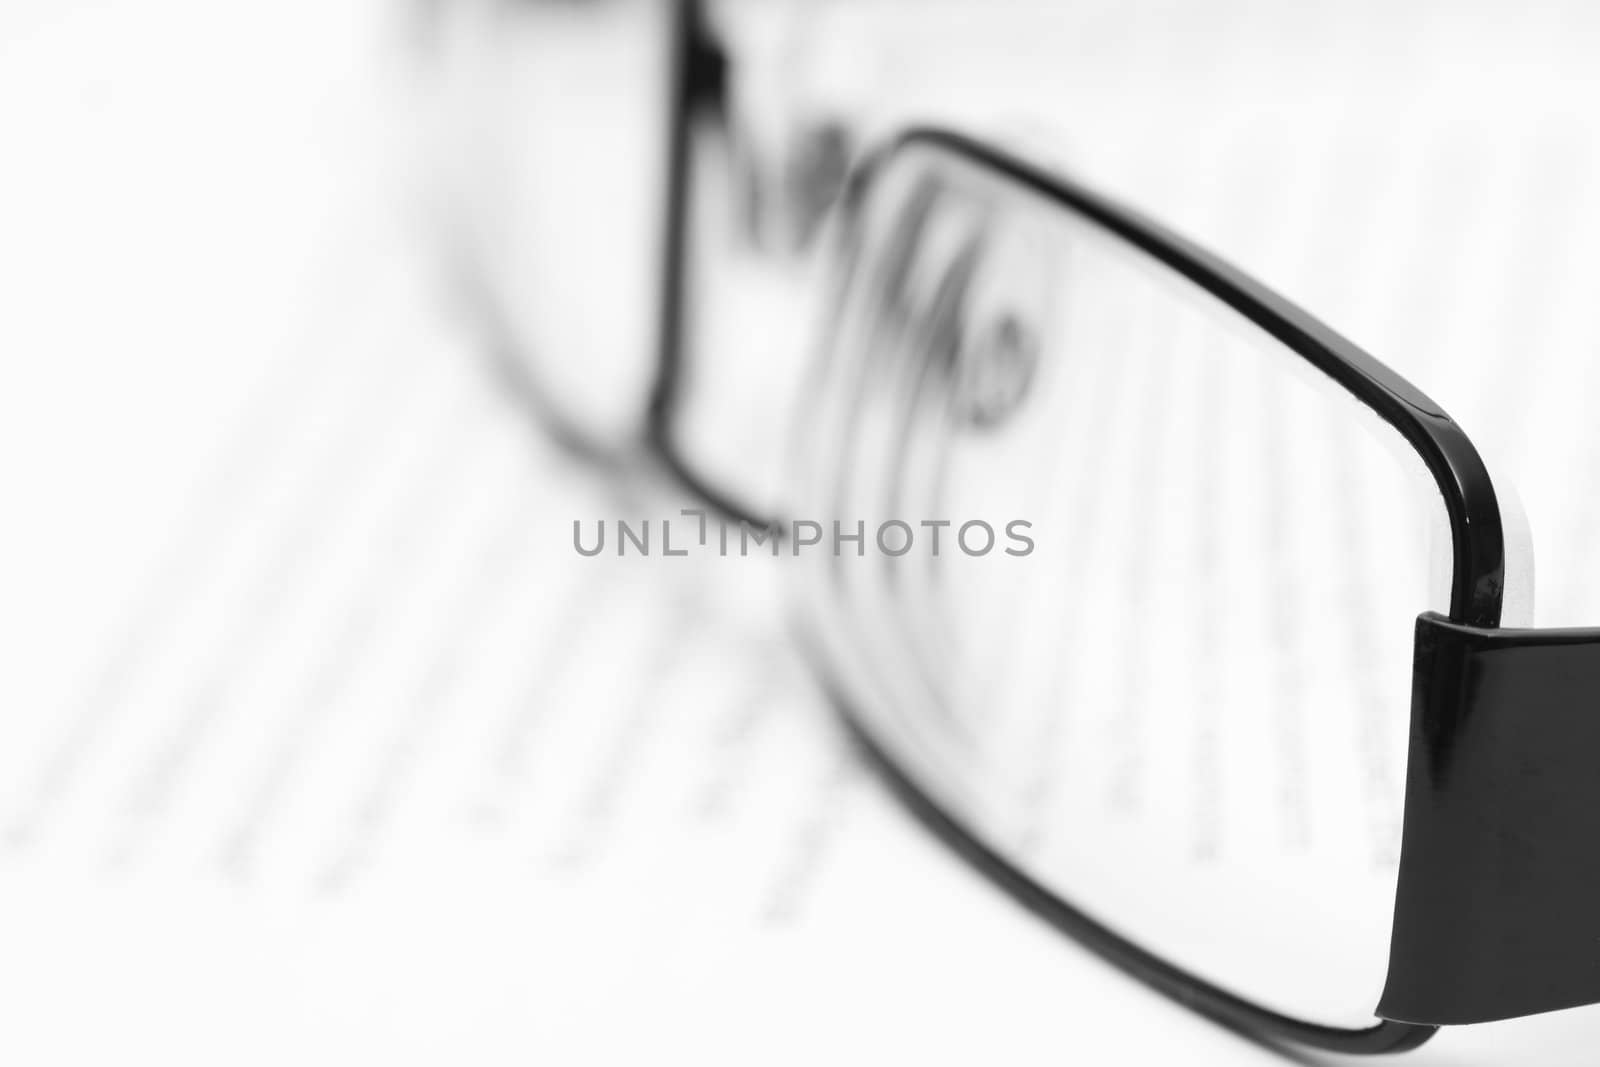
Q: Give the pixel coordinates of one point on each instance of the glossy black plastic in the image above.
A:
(1498, 909)
(1458, 472)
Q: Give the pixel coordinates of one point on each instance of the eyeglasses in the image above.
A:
(1112, 557)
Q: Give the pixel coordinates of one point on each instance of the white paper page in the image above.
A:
(320, 743)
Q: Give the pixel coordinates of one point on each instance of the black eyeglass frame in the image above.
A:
(1498, 870)
(1458, 472)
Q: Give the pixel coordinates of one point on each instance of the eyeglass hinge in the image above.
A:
(1497, 908)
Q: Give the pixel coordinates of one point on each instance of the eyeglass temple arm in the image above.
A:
(1497, 910)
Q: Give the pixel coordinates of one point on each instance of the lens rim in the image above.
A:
(1471, 506)
(698, 73)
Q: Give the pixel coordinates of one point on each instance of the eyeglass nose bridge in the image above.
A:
(1008, 326)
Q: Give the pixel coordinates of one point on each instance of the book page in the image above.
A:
(322, 744)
